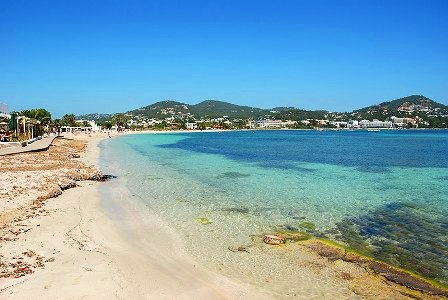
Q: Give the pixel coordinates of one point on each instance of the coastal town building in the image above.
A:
(353, 124)
(323, 122)
(375, 124)
(251, 124)
(92, 124)
(205, 123)
(267, 123)
(91, 127)
(403, 122)
(339, 124)
(191, 126)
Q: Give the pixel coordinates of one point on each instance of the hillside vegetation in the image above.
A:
(436, 114)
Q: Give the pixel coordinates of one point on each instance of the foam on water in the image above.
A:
(332, 184)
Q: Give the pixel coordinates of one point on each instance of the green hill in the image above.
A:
(95, 116)
(406, 102)
(412, 106)
(415, 105)
(162, 109)
(208, 108)
(215, 108)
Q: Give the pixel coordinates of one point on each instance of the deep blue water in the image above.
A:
(369, 151)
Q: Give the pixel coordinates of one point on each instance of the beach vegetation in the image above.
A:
(69, 120)
(39, 114)
(161, 125)
(120, 120)
(56, 123)
(106, 124)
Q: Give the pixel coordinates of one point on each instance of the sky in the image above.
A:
(113, 56)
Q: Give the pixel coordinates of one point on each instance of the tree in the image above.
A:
(56, 123)
(40, 114)
(69, 120)
(120, 120)
(43, 117)
(105, 124)
(161, 125)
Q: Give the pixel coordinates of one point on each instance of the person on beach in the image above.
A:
(108, 134)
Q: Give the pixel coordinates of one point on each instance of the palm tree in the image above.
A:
(69, 120)
(40, 114)
(120, 120)
(43, 117)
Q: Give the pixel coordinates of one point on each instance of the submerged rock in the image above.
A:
(239, 249)
(405, 279)
(273, 239)
(330, 252)
(232, 175)
(407, 235)
(241, 210)
(295, 236)
(392, 274)
(106, 177)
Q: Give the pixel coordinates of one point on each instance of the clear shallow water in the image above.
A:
(383, 193)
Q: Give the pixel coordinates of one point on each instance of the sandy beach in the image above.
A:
(63, 236)
(71, 248)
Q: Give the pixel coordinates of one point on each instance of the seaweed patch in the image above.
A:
(401, 235)
(232, 175)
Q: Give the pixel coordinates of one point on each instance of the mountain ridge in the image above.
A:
(413, 104)
(413, 100)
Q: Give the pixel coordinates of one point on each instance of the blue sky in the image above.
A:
(113, 56)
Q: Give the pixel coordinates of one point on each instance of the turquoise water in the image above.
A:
(383, 193)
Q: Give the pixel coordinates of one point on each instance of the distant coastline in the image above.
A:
(409, 112)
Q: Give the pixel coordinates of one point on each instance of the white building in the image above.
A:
(375, 124)
(402, 122)
(251, 124)
(339, 124)
(191, 126)
(267, 123)
(92, 128)
(92, 124)
(353, 124)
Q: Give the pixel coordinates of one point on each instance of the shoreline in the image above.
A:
(96, 254)
(105, 243)
(388, 273)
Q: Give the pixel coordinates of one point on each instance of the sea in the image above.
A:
(383, 194)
